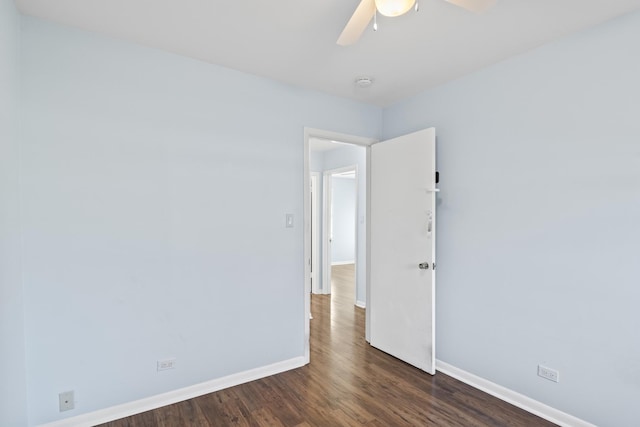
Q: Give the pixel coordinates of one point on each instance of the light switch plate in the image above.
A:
(289, 220)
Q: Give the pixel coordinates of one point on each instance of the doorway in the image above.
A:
(323, 142)
(404, 218)
(340, 212)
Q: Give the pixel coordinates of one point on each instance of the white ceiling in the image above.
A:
(293, 41)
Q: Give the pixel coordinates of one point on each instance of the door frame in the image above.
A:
(345, 138)
(327, 224)
(316, 286)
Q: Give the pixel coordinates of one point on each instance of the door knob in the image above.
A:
(423, 266)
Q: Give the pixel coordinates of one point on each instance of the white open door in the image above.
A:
(402, 281)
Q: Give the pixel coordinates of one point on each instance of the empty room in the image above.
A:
(166, 235)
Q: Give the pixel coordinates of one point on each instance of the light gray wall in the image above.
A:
(154, 195)
(343, 202)
(538, 236)
(13, 403)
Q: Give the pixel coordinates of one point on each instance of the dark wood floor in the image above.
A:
(348, 383)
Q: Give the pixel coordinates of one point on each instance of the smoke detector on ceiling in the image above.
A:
(363, 81)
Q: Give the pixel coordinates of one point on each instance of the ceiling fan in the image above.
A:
(367, 10)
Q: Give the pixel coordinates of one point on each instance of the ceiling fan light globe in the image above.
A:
(394, 7)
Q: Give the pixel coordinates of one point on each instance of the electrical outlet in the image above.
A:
(66, 401)
(165, 364)
(548, 373)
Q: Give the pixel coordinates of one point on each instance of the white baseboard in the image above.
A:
(361, 304)
(342, 262)
(516, 399)
(138, 406)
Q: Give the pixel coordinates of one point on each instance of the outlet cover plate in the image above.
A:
(165, 364)
(548, 374)
(66, 401)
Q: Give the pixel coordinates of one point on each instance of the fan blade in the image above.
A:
(358, 23)
(477, 6)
